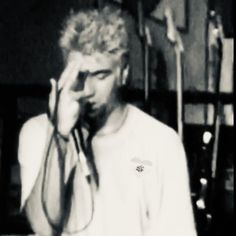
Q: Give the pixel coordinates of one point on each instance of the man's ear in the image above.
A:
(124, 75)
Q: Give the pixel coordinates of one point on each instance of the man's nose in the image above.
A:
(89, 88)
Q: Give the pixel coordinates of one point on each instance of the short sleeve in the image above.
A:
(172, 213)
(31, 148)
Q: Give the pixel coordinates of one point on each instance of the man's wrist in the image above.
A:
(62, 141)
(62, 136)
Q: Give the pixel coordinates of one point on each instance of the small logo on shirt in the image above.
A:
(140, 168)
(141, 165)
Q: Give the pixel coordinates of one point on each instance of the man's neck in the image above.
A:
(114, 120)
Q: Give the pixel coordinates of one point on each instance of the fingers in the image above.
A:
(77, 95)
(52, 95)
(68, 78)
(65, 75)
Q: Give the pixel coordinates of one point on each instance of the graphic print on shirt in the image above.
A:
(141, 166)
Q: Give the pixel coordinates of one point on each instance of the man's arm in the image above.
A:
(64, 104)
(31, 142)
(172, 213)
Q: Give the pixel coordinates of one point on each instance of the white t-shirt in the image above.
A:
(144, 183)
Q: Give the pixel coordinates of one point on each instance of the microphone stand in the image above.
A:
(145, 38)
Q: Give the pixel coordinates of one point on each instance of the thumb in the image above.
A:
(52, 96)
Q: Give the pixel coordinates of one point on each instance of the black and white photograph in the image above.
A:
(116, 118)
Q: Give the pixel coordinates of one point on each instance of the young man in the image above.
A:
(139, 184)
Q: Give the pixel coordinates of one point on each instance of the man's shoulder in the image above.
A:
(149, 125)
(156, 138)
(35, 128)
(36, 122)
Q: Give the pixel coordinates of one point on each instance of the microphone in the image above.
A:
(80, 148)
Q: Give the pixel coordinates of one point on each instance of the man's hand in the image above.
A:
(68, 108)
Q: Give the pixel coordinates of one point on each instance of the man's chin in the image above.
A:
(95, 113)
(95, 117)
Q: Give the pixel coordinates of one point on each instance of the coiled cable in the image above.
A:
(59, 229)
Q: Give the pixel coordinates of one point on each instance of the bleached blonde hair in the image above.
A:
(106, 31)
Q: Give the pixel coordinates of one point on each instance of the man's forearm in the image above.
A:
(44, 207)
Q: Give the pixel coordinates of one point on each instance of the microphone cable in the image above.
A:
(59, 228)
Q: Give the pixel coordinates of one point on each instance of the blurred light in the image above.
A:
(203, 181)
(201, 205)
(207, 136)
